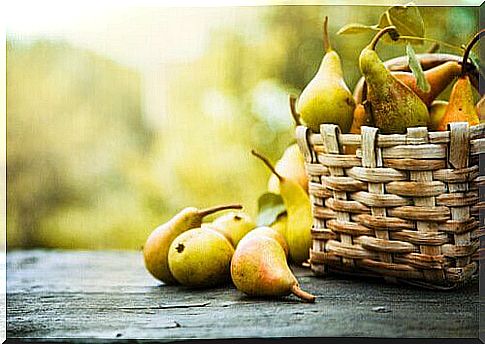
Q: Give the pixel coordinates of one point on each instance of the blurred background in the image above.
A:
(118, 118)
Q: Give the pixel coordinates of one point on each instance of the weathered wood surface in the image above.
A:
(106, 295)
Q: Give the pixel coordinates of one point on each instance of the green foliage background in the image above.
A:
(86, 167)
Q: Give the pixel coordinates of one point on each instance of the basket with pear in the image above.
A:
(393, 172)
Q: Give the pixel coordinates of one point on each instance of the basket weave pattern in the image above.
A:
(403, 207)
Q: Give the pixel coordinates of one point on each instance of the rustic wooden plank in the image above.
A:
(100, 296)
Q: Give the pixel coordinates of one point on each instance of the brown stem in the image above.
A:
(326, 39)
(381, 33)
(208, 211)
(295, 114)
(295, 289)
(434, 48)
(267, 163)
(469, 47)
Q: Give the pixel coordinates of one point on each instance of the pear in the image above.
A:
(233, 225)
(270, 233)
(155, 250)
(291, 166)
(481, 109)
(326, 98)
(438, 78)
(259, 267)
(280, 224)
(436, 112)
(200, 258)
(298, 208)
(394, 105)
(461, 106)
(361, 117)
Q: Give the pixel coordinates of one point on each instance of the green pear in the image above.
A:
(155, 250)
(394, 106)
(259, 267)
(327, 98)
(291, 166)
(233, 225)
(200, 257)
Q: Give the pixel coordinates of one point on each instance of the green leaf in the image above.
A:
(415, 67)
(270, 206)
(406, 19)
(356, 28)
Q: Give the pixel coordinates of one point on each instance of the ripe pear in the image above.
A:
(438, 78)
(270, 233)
(461, 106)
(155, 250)
(291, 166)
(436, 112)
(259, 268)
(200, 257)
(481, 109)
(280, 224)
(233, 225)
(298, 208)
(394, 105)
(361, 117)
(327, 98)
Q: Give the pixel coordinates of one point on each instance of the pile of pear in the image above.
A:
(393, 101)
(185, 251)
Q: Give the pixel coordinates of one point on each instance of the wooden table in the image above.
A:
(104, 295)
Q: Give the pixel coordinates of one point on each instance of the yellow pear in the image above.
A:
(327, 98)
(234, 225)
(461, 107)
(436, 112)
(280, 224)
(270, 233)
(300, 219)
(259, 267)
(291, 166)
(200, 257)
(481, 109)
(155, 250)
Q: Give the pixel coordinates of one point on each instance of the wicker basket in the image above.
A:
(403, 207)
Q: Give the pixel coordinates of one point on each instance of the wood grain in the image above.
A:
(101, 296)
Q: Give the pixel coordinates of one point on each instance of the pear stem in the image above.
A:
(469, 47)
(381, 33)
(434, 48)
(326, 39)
(295, 115)
(267, 163)
(295, 289)
(208, 211)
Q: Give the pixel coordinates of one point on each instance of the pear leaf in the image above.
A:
(270, 206)
(406, 19)
(417, 70)
(356, 28)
